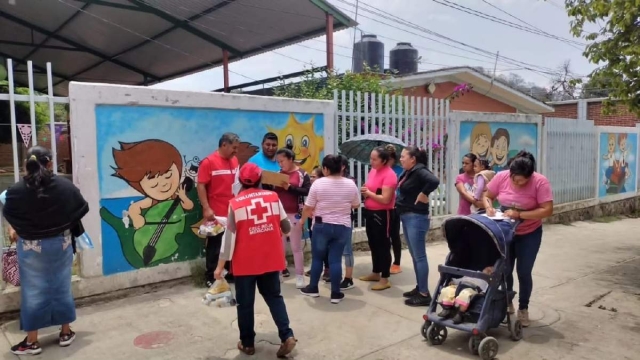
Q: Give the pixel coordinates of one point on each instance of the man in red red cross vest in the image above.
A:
(255, 225)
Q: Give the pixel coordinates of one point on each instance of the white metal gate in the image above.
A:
(570, 158)
(17, 129)
(417, 121)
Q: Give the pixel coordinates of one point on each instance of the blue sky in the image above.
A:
(548, 15)
(194, 132)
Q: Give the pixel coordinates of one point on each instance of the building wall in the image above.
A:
(471, 101)
(132, 131)
(622, 117)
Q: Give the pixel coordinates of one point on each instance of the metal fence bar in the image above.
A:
(52, 118)
(14, 125)
(32, 105)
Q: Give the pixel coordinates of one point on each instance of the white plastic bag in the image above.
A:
(213, 228)
(83, 242)
(219, 294)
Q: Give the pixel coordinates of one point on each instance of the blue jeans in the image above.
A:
(524, 248)
(349, 260)
(269, 287)
(328, 239)
(415, 227)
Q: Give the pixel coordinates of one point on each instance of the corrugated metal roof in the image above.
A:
(138, 42)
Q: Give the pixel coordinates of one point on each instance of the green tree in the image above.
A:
(615, 46)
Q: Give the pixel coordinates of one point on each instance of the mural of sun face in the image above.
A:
(307, 146)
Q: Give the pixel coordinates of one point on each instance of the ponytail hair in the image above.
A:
(391, 149)
(523, 164)
(287, 151)
(419, 154)
(38, 174)
(333, 163)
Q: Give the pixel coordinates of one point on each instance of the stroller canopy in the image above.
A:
(477, 241)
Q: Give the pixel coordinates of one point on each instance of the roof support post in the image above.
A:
(225, 69)
(329, 29)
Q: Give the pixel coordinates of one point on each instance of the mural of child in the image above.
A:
(154, 168)
(611, 146)
(480, 140)
(500, 149)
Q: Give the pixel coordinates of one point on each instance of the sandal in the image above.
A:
(245, 349)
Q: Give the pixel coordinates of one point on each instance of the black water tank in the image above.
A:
(370, 51)
(404, 59)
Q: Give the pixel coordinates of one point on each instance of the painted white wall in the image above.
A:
(83, 99)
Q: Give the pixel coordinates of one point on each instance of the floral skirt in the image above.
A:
(45, 275)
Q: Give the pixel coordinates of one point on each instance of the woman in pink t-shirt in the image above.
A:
(379, 193)
(464, 182)
(526, 196)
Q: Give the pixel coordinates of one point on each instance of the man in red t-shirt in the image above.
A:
(253, 240)
(217, 176)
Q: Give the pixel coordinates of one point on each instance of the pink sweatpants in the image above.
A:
(295, 240)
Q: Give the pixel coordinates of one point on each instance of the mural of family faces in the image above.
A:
(148, 161)
(497, 142)
(617, 163)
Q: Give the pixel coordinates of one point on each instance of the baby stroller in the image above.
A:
(476, 242)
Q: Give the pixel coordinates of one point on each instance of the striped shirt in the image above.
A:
(332, 199)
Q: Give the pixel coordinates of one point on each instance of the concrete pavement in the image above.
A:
(585, 263)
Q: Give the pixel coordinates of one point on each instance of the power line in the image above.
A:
(478, 51)
(498, 20)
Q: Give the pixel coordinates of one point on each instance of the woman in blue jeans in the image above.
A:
(412, 205)
(330, 200)
(526, 196)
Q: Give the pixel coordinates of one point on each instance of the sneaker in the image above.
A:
(209, 283)
(310, 291)
(24, 348)
(336, 297)
(300, 282)
(446, 313)
(346, 284)
(286, 347)
(511, 309)
(395, 269)
(286, 273)
(523, 316)
(412, 293)
(67, 339)
(458, 318)
(418, 300)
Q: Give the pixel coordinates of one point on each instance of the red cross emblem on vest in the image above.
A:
(258, 211)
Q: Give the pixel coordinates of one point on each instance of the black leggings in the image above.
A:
(396, 243)
(378, 226)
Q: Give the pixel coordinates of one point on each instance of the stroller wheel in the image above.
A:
(474, 344)
(488, 348)
(436, 334)
(516, 331)
(424, 328)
